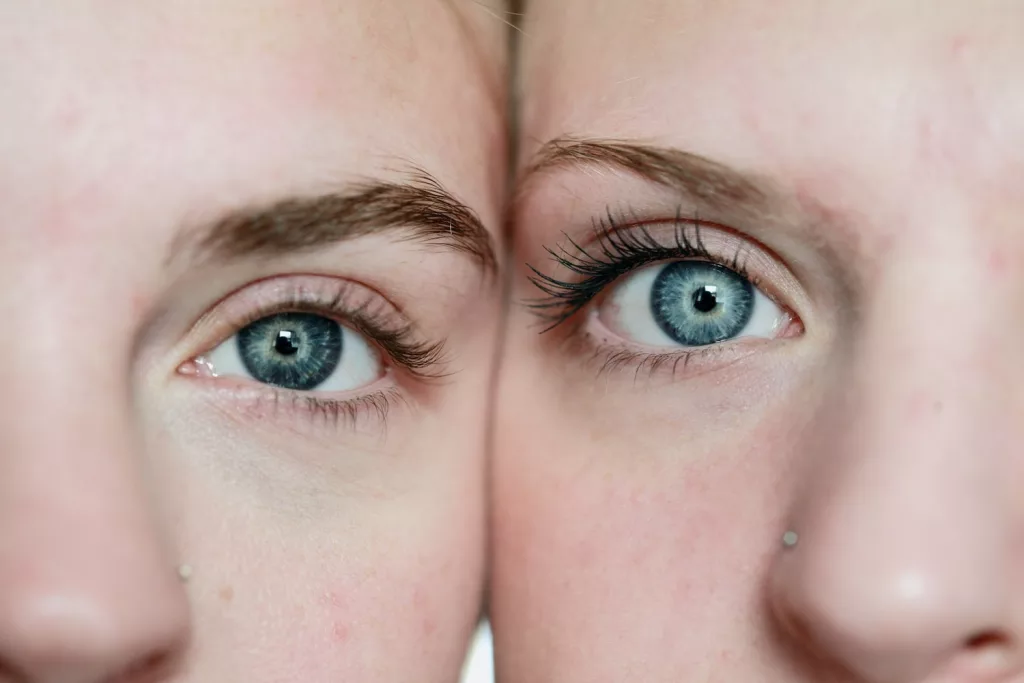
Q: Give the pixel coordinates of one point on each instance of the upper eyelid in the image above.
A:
(321, 294)
(610, 229)
(372, 315)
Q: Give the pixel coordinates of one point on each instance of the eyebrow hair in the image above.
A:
(419, 209)
(684, 172)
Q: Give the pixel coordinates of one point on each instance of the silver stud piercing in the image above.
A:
(184, 572)
(789, 539)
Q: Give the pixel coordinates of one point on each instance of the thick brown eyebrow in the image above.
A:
(419, 209)
(686, 173)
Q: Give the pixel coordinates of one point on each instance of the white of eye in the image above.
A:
(627, 312)
(360, 363)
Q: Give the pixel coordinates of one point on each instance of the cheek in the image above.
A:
(320, 609)
(343, 585)
(630, 541)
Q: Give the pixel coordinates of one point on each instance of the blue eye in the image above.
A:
(697, 303)
(297, 351)
(689, 303)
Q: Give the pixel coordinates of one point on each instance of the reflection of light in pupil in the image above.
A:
(286, 344)
(706, 298)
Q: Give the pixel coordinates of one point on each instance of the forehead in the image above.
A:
(876, 92)
(177, 102)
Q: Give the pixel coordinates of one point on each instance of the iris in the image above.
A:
(698, 303)
(291, 350)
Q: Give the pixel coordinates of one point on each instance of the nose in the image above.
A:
(88, 593)
(907, 528)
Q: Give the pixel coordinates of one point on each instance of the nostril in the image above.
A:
(985, 640)
(989, 654)
(150, 668)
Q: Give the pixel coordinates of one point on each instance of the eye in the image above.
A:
(298, 351)
(689, 303)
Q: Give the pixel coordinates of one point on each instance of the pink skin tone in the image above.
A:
(638, 518)
(319, 551)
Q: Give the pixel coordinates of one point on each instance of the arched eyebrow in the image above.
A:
(418, 209)
(686, 173)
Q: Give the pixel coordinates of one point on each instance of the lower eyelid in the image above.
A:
(249, 403)
(684, 363)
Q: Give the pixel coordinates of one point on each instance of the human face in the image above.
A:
(849, 369)
(247, 264)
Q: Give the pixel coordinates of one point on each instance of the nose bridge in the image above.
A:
(87, 590)
(904, 520)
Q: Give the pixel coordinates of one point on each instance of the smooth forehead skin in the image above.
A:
(320, 547)
(639, 513)
(941, 80)
(278, 94)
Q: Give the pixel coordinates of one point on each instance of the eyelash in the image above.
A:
(399, 343)
(620, 251)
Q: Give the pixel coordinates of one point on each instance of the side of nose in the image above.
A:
(87, 591)
(902, 570)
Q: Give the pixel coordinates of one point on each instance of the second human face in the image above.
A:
(247, 269)
(785, 292)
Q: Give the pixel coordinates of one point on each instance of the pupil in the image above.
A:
(286, 344)
(706, 298)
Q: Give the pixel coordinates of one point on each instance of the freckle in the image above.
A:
(937, 407)
(227, 593)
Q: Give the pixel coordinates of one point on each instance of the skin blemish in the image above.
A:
(337, 616)
(226, 593)
(958, 44)
(997, 262)
(421, 606)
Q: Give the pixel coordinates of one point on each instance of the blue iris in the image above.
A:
(291, 350)
(698, 303)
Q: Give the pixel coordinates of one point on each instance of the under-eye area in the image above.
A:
(681, 294)
(312, 345)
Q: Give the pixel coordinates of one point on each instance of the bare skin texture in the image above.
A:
(864, 163)
(170, 172)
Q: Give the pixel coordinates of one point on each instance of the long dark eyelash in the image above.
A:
(422, 359)
(617, 251)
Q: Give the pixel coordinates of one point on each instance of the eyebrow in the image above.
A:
(419, 210)
(689, 174)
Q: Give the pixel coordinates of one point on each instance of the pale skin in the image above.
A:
(322, 543)
(639, 508)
